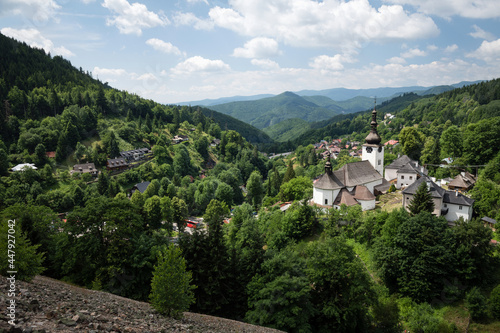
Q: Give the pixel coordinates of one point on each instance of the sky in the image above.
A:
(175, 51)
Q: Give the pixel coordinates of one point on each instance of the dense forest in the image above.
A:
(302, 269)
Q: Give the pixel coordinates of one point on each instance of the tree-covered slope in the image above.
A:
(287, 130)
(270, 111)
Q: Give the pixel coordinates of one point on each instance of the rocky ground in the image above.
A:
(48, 305)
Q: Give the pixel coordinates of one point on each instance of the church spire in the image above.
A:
(373, 138)
(328, 164)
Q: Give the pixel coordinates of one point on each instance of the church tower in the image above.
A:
(373, 151)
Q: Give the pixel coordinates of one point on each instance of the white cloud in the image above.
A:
(196, 1)
(109, 71)
(34, 38)
(260, 47)
(396, 60)
(37, 11)
(191, 20)
(448, 8)
(132, 18)
(199, 64)
(488, 51)
(265, 63)
(413, 53)
(432, 47)
(451, 48)
(325, 62)
(481, 34)
(332, 23)
(164, 47)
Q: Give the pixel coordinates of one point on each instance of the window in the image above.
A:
(326, 201)
(379, 162)
(402, 177)
(445, 205)
(411, 177)
(460, 207)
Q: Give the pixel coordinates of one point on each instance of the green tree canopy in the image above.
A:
(171, 288)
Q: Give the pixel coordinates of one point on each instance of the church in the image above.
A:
(354, 183)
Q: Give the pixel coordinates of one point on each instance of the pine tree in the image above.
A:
(422, 200)
(290, 173)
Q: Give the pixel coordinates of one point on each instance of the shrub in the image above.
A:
(476, 303)
(494, 302)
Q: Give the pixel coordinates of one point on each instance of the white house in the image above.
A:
(404, 171)
(450, 204)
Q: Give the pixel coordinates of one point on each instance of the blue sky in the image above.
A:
(183, 50)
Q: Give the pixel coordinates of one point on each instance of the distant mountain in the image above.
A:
(210, 102)
(269, 111)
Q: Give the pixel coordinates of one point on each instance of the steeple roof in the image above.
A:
(373, 138)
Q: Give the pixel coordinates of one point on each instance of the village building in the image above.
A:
(23, 166)
(141, 187)
(116, 164)
(85, 168)
(489, 222)
(450, 204)
(462, 182)
(354, 183)
(135, 155)
(404, 171)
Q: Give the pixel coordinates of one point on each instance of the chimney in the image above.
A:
(456, 193)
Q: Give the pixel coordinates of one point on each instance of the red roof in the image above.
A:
(391, 142)
(50, 154)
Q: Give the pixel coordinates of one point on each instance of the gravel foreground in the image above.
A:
(49, 305)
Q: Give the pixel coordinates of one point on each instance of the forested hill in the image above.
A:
(35, 85)
(460, 107)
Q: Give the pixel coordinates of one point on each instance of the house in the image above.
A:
(450, 204)
(23, 166)
(135, 155)
(354, 183)
(489, 222)
(446, 161)
(404, 171)
(215, 142)
(179, 138)
(462, 182)
(50, 154)
(116, 164)
(141, 187)
(391, 142)
(85, 168)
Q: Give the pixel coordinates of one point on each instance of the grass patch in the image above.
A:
(390, 201)
(366, 258)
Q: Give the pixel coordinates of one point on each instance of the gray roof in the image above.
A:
(350, 175)
(399, 162)
(456, 198)
(408, 168)
(357, 173)
(328, 182)
(437, 191)
(489, 220)
(142, 186)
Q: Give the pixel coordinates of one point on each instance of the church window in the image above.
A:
(402, 177)
(326, 201)
(379, 162)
